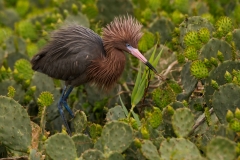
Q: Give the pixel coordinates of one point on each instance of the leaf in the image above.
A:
(123, 106)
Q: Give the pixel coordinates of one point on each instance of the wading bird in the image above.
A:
(77, 55)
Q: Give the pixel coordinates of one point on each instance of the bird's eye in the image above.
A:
(128, 45)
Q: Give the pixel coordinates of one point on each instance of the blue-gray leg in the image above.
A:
(63, 102)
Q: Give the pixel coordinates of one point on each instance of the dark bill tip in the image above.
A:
(151, 67)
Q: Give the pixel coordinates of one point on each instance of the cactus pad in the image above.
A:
(221, 148)
(82, 143)
(212, 48)
(60, 146)
(115, 156)
(116, 136)
(199, 69)
(225, 99)
(115, 113)
(155, 118)
(178, 148)
(182, 121)
(92, 154)
(79, 122)
(149, 150)
(15, 128)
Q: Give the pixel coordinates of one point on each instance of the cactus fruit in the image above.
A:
(116, 136)
(79, 122)
(214, 84)
(229, 116)
(228, 77)
(182, 121)
(95, 130)
(15, 131)
(223, 26)
(26, 30)
(155, 118)
(223, 102)
(220, 56)
(11, 91)
(199, 69)
(204, 35)
(237, 113)
(60, 146)
(191, 53)
(115, 113)
(45, 99)
(23, 70)
(144, 132)
(221, 148)
(178, 148)
(149, 150)
(235, 125)
(82, 143)
(146, 42)
(191, 39)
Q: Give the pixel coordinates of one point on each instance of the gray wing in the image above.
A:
(69, 53)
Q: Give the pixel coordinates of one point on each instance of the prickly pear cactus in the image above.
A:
(115, 113)
(199, 69)
(82, 143)
(221, 148)
(149, 150)
(116, 136)
(79, 122)
(182, 121)
(92, 154)
(178, 148)
(225, 99)
(60, 146)
(15, 132)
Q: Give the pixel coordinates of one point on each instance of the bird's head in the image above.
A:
(123, 33)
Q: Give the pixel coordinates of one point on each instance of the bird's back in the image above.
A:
(69, 53)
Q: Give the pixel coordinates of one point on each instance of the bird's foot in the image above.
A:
(63, 118)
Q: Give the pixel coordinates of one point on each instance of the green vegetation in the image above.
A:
(191, 111)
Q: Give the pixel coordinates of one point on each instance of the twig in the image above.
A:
(201, 119)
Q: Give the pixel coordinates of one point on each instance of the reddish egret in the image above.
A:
(77, 55)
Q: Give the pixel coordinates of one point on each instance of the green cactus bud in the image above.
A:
(74, 9)
(45, 99)
(185, 103)
(155, 118)
(95, 130)
(137, 143)
(22, 69)
(228, 77)
(237, 113)
(146, 42)
(207, 63)
(27, 30)
(133, 123)
(214, 61)
(220, 56)
(145, 133)
(199, 69)
(170, 110)
(229, 116)
(176, 31)
(11, 91)
(229, 37)
(234, 72)
(204, 35)
(235, 125)
(224, 25)
(235, 80)
(214, 84)
(191, 53)
(191, 39)
(180, 58)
